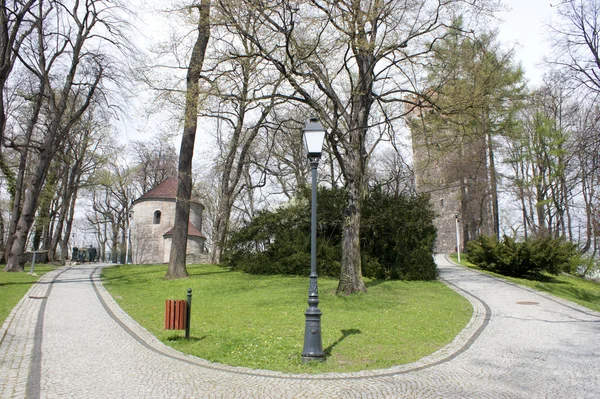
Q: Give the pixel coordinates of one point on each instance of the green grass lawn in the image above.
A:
(576, 289)
(13, 287)
(258, 321)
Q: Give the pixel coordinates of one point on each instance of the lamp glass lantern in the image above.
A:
(314, 135)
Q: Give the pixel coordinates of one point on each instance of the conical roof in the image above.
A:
(165, 190)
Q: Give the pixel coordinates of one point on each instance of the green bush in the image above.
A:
(420, 265)
(482, 252)
(278, 242)
(372, 268)
(398, 232)
(397, 237)
(529, 258)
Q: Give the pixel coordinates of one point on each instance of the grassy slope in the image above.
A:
(576, 289)
(258, 321)
(13, 287)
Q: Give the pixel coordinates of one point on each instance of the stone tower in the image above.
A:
(452, 169)
(152, 227)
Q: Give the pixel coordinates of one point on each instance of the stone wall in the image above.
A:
(146, 236)
(453, 170)
(195, 249)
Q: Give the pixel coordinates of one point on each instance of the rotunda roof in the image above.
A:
(165, 190)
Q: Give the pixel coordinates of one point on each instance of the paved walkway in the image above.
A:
(67, 338)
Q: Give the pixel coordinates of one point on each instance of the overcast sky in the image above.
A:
(524, 27)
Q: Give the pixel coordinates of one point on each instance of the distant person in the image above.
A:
(74, 253)
(92, 253)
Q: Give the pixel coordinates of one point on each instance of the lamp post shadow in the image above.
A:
(345, 334)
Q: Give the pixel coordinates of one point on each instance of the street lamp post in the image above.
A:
(314, 134)
(457, 237)
(129, 216)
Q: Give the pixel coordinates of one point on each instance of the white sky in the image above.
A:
(524, 27)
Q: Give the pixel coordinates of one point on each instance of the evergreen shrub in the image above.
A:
(278, 241)
(398, 232)
(397, 237)
(528, 258)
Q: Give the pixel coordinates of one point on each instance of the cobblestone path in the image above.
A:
(67, 338)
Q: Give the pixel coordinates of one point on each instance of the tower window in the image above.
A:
(442, 203)
(156, 219)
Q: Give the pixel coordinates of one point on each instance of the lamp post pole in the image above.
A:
(313, 343)
(457, 238)
(127, 257)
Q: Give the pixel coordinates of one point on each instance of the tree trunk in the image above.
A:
(520, 181)
(588, 194)
(493, 178)
(540, 206)
(123, 252)
(351, 273)
(464, 212)
(16, 201)
(62, 213)
(19, 183)
(15, 260)
(177, 256)
(114, 256)
(351, 269)
(356, 157)
(220, 231)
(2, 231)
(64, 243)
(42, 227)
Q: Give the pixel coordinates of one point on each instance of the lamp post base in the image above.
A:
(309, 359)
(313, 343)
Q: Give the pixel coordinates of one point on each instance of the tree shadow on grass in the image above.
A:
(582, 294)
(136, 275)
(375, 282)
(543, 278)
(345, 334)
(196, 273)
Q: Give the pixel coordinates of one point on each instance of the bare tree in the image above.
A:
(577, 40)
(65, 56)
(83, 156)
(543, 160)
(586, 151)
(349, 61)
(155, 161)
(286, 154)
(393, 173)
(111, 194)
(245, 89)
